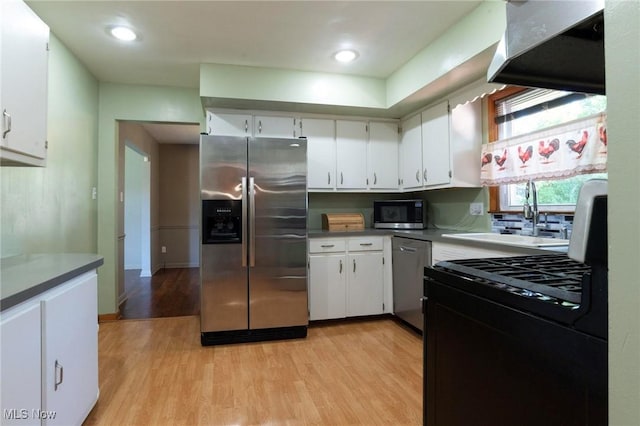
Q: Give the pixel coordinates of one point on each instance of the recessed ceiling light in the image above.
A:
(123, 33)
(345, 55)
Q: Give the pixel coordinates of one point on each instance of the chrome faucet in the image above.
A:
(531, 212)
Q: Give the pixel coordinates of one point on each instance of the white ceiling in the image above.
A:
(177, 36)
(173, 133)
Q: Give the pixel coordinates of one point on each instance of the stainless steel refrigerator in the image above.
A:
(253, 274)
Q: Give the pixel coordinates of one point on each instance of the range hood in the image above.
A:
(552, 44)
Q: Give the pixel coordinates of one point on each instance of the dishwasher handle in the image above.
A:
(408, 249)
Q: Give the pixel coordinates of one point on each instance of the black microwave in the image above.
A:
(400, 214)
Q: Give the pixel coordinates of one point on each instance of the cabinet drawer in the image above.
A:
(364, 243)
(332, 245)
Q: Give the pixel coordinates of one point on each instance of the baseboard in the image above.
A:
(109, 317)
(171, 265)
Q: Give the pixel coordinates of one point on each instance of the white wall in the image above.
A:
(133, 196)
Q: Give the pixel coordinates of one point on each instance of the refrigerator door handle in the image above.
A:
(252, 223)
(244, 221)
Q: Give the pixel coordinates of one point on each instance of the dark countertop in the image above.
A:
(435, 235)
(26, 276)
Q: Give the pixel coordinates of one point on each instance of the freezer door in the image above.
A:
(223, 164)
(223, 270)
(277, 233)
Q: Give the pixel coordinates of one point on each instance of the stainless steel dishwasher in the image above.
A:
(409, 259)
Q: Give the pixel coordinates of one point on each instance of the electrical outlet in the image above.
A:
(164, 249)
(476, 209)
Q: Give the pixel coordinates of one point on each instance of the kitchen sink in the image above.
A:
(510, 239)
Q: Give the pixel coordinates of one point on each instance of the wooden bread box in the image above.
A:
(342, 221)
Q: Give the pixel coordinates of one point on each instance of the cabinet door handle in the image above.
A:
(340, 265)
(7, 117)
(341, 178)
(58, 368)
(259, 126)
(375, 178)
(327, 245)
(417, 175)
(328, 178)
(425, 175)
(354, 265)
(246, 126)
(366, 244)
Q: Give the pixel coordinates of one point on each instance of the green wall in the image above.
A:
(50, 209)
(137, 103)
(446, 208)
(622, 56)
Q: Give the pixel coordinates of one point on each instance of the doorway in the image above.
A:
(159, 213)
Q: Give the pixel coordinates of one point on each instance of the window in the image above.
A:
(517, 111)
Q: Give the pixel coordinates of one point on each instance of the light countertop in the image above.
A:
(434, 235)
(25, 276)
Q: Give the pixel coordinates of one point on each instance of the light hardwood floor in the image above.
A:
(155, 372)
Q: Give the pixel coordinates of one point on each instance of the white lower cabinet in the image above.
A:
(20, 364)
(327, 284)
(50, 355)
(70, 351)
(347, 277)
(365, 284)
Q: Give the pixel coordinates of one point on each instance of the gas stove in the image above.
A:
(551, 286)
(535, 327)
(568, 288)
(553, 278)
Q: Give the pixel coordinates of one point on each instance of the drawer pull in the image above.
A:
(366, 244)
(327, 245)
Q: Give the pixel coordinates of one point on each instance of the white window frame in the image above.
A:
(504, 190)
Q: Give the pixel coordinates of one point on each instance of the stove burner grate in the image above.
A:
(553, 278)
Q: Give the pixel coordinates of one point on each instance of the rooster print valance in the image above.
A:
(557, 152)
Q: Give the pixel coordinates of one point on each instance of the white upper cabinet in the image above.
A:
(321, 153)
(275, 127)
(436, 169)
(382, 163)
(23, 89)
(466, 144)
(411, 153)
(440, 149)
(351, 158)
(224, 124)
